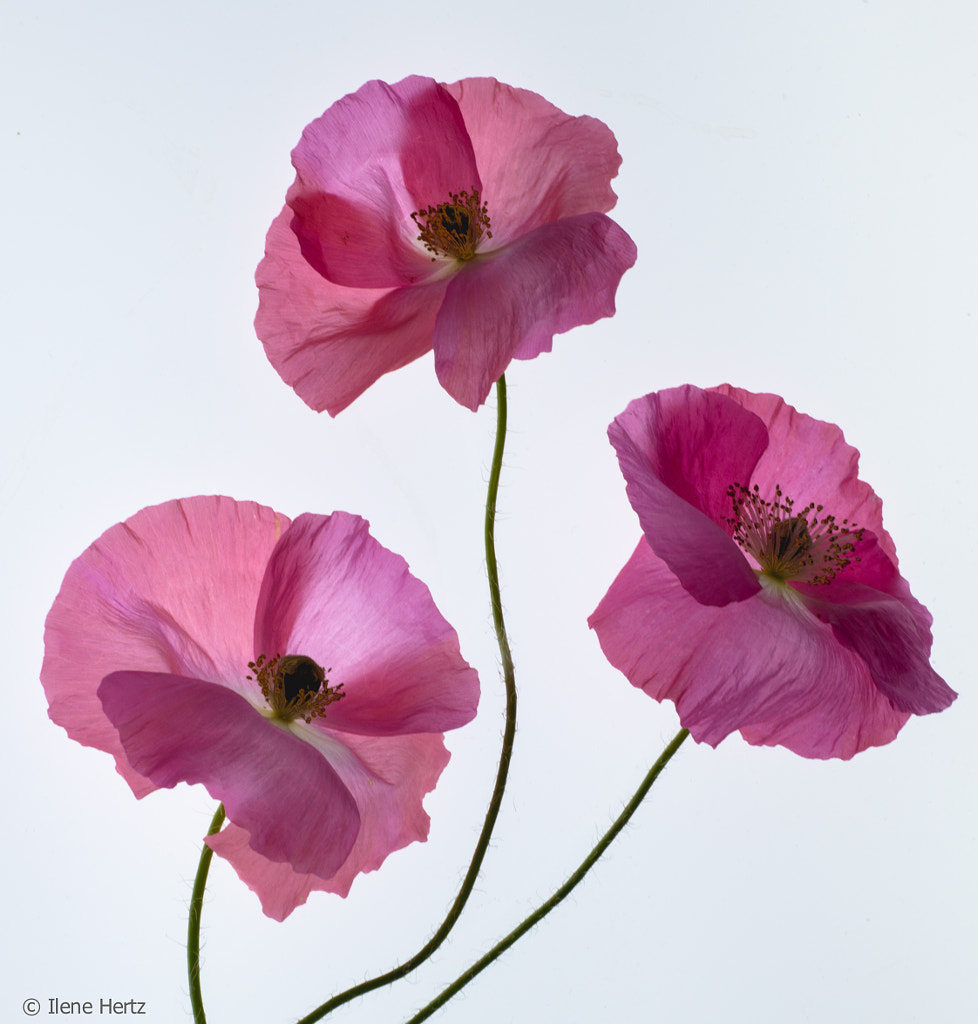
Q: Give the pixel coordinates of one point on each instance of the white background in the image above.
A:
(800, 180)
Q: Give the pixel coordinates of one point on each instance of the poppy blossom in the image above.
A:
(765, 594)
(465, 218)
(296, 669)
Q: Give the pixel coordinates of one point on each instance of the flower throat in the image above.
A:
(803, 546)
(294, 686)
(454, 228)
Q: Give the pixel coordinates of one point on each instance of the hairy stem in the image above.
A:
(509, 732)
(193, 926)
(541, 912)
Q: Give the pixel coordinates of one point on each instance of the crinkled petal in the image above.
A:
(537, 163)
(172, 589)
(336, 595)
(388, 777)
(886, 626)
(514, 301)
(764, 666)
(679, 450)
(328, 342)
(280, 789)
(812, 462)
(372, 159)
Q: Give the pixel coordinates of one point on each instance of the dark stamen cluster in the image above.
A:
(802, 545)
(294, 686)
(454, 228)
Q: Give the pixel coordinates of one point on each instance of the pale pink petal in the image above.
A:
(334, 594)
(173, 589)
(277, 787)
(514, 301)
(537, 163)
(388, 778)
(276, 885)
(372, 159)
(812, 462)
(328, 342)
(388, 151)
(763, 666)
(679, 450)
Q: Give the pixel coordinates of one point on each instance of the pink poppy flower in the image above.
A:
(765, 595)
(297, 670)
(467, 218)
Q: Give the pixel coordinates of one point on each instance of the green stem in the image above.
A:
(193, 927)
(541, 912)
(509, 732)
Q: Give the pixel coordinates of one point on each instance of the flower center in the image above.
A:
(454, 228)
(804, 545)
(294, 686)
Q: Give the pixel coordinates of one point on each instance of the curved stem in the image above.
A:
(541, 912)
(193, 927)
(509, 732)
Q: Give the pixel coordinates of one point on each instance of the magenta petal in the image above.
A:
(886, 635)
(372, 159)
(272, 784)
(826, 652)
(886, 626)
(129, 600)
(328, 342)
(513, 301)
(538, 164)
(334, 594)
(811, 461)
(389, 778)
(679, 450)
(762, 666)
